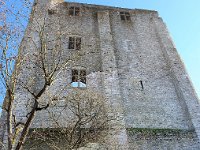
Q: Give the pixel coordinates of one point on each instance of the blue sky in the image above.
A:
(183, 21)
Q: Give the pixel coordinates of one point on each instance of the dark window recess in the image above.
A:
(75, 43)
(71, 11)
(83, 76)
(74, 75)
(71, 42)
(77, 11)
(125, 16)
(78, 78)
(78, 43)
(74, 11)
(51, 12)
(141, 83)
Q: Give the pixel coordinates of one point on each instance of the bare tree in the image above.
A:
(85, 121)
(85, 110)
(11, 33)
(11, 77)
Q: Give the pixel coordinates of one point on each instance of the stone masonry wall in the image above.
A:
(132, 63)
(162, 140)
(140, 61)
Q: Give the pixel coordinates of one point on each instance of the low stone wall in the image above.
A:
(162, 139)
(139, 139)
(59, 138)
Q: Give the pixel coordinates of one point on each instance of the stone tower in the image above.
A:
(129, 57)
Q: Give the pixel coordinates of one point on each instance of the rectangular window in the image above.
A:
(78, 78)
(71, 42)
(74, 11)
(74, 75)
(78, 43)
(77, 11)
(51, 11)
(74, 43)
(125, 16)
(83, 76)
(71, 11)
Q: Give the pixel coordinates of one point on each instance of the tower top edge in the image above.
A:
(108, 7)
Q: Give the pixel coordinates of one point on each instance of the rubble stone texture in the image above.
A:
(134, 63)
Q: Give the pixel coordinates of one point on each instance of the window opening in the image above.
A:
(125, 16)
(74, 11)
(51, 11)
(75, 43)
(78, 78)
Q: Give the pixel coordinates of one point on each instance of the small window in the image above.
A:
(74, 11)
(75, 43)
(125, 16)
(51, 11)
(78, 78)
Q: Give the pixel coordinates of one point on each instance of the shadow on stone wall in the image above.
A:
(161, 139)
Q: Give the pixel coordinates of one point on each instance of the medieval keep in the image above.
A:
(128, 56)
